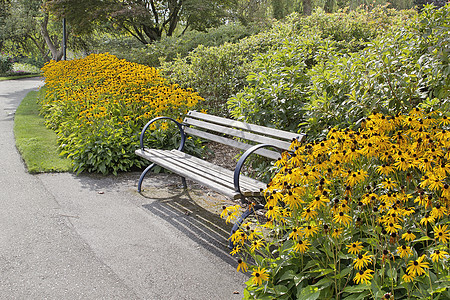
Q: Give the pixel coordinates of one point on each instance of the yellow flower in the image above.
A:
(236, 250)
(393, 227)
(259, 275)
(355, 247)
(309, 213)
(389, 184)
(242, 266)
(336, 233)
(408, 236)
(362, 260)
(273, 212)
(302, 246)
(416, 267)
(404, 251)
(343, 218)
(256, 245)
(441, 233)
(438, 254)
(296, 233)
(363, 276)
(408, 277)
(310, 230)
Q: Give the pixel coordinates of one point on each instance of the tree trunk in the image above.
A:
(56, 54)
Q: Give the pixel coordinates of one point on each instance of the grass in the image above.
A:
(11, 77)
(36, 143)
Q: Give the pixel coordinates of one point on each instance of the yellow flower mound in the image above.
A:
(379, 200)
(102, 86)
(102, 100)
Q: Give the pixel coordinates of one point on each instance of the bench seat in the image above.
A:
(199, 170)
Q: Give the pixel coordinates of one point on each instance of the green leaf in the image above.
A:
(308, 293)
(357, 288)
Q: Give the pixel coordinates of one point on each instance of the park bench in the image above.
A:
(264, 141)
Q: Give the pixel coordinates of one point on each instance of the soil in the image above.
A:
(222, 155)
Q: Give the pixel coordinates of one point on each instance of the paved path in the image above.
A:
(93, 237)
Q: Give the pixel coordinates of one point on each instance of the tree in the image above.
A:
(146, 20)
(27, 27)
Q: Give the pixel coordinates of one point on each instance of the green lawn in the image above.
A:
(18, 76)
(35, 142)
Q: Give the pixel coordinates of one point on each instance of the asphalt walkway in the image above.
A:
(94, 237)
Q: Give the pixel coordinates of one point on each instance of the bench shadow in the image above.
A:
(200, 225)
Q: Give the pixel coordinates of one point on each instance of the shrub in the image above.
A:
(98, 105)
(6, 63)
(395, 72)
(218, 72)
(169, 48)
(360, 215)
(326, 84)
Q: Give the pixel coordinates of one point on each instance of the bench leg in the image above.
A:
(143, 175)
(183, 180)
(241, 219)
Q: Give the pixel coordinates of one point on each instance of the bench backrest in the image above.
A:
(223, 130)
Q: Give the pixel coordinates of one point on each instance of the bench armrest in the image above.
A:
(240, 164)
(180, 127)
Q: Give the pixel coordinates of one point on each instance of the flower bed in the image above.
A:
(98, 105)
(360, 215)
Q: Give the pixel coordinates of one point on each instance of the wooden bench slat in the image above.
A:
(223, 140)
(245, 182)
(238, 133)
(204, 168)
(246, 126)
(169, 165)
(213, 178)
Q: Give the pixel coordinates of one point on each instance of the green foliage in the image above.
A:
(395, 72)
(341, 69)
(6, 63)
(216, 73)
(169, 48)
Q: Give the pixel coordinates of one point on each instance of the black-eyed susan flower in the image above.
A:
(296, 233)
(355, 247)
(429, 218)
(309, 213)
(438, 255)
(404, 251)
(236, 250)
(342, 218)
(439, 211)
(362, 260)
(417, 267)
(273, 212)
(393, 227)
(310, 230)
(409, 236)
(408, 277)
(385, 169)
(441, 233)
(363, 276)
(255, 245)
(259, 275)
(242, 266)
(336, 233)
(301, 246)
(388, 183)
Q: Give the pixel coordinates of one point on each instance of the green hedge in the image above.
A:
(322, 84)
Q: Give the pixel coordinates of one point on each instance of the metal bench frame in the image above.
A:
(222, 130)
